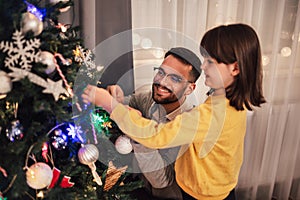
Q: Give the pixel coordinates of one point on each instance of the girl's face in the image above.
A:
(218, 75)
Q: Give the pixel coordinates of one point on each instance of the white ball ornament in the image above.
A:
(123, 145)
(39, 175)
(88, 155)
(47, 58)
(5, 83)
(30, 22)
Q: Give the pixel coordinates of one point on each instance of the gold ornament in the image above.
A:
(39, 175)
(106, 124)
(112, 176)
(88, 154)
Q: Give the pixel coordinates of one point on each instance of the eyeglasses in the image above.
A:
(174, 78)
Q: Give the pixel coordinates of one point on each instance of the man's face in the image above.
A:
(171, 81)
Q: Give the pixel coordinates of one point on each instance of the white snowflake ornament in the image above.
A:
(20, 52)
(85, 57)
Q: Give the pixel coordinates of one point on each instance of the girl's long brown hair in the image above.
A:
(238, 43)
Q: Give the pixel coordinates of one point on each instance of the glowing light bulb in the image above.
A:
(295, 37)
(158, 53)
(136, 39)
(286, 51)
(146, 43)
(265, 60)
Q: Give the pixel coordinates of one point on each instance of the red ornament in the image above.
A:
(45, 151)
(65, 182)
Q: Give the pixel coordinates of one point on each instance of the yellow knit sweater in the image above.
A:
(212, 139)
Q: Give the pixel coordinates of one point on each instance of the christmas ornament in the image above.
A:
(69, 89)
(123, 145)
(5, 83)
(1, 196)
(112, 175)
(59, 140)
(45, 151)
(64, 33)
(51, 87)
(62, 27)
(3, 171)
(40, 195)
(65, 182)
(15, 131)
(20, 52)
(39, 175)
(86, 57)
(30, 22)
(62, 9)
(100, 120)
(39, 13)
(75, 133)
(4, 182)
(47, 58)
(88, 155)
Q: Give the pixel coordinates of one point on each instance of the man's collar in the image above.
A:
(158, 113)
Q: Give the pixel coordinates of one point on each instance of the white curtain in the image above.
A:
(272, 144)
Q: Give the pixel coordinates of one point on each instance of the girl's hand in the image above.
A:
(99, 97)
(117, 92)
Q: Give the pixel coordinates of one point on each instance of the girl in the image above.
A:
(211, 136)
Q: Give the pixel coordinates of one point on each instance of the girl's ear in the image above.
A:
(190, 88)
(235, 70)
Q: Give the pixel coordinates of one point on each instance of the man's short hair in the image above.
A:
(188, 56)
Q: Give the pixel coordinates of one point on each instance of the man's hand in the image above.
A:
(117, 92)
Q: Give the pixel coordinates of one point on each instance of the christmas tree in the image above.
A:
(47, 151)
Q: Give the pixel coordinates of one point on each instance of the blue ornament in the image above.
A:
(39, 13)
(59, 140)
(15, 131)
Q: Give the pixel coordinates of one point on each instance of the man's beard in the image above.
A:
(171, 99)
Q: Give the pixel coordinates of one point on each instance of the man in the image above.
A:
(173, 81)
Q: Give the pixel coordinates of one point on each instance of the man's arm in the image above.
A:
(150, 161)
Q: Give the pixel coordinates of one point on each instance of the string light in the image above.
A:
(39, 13)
